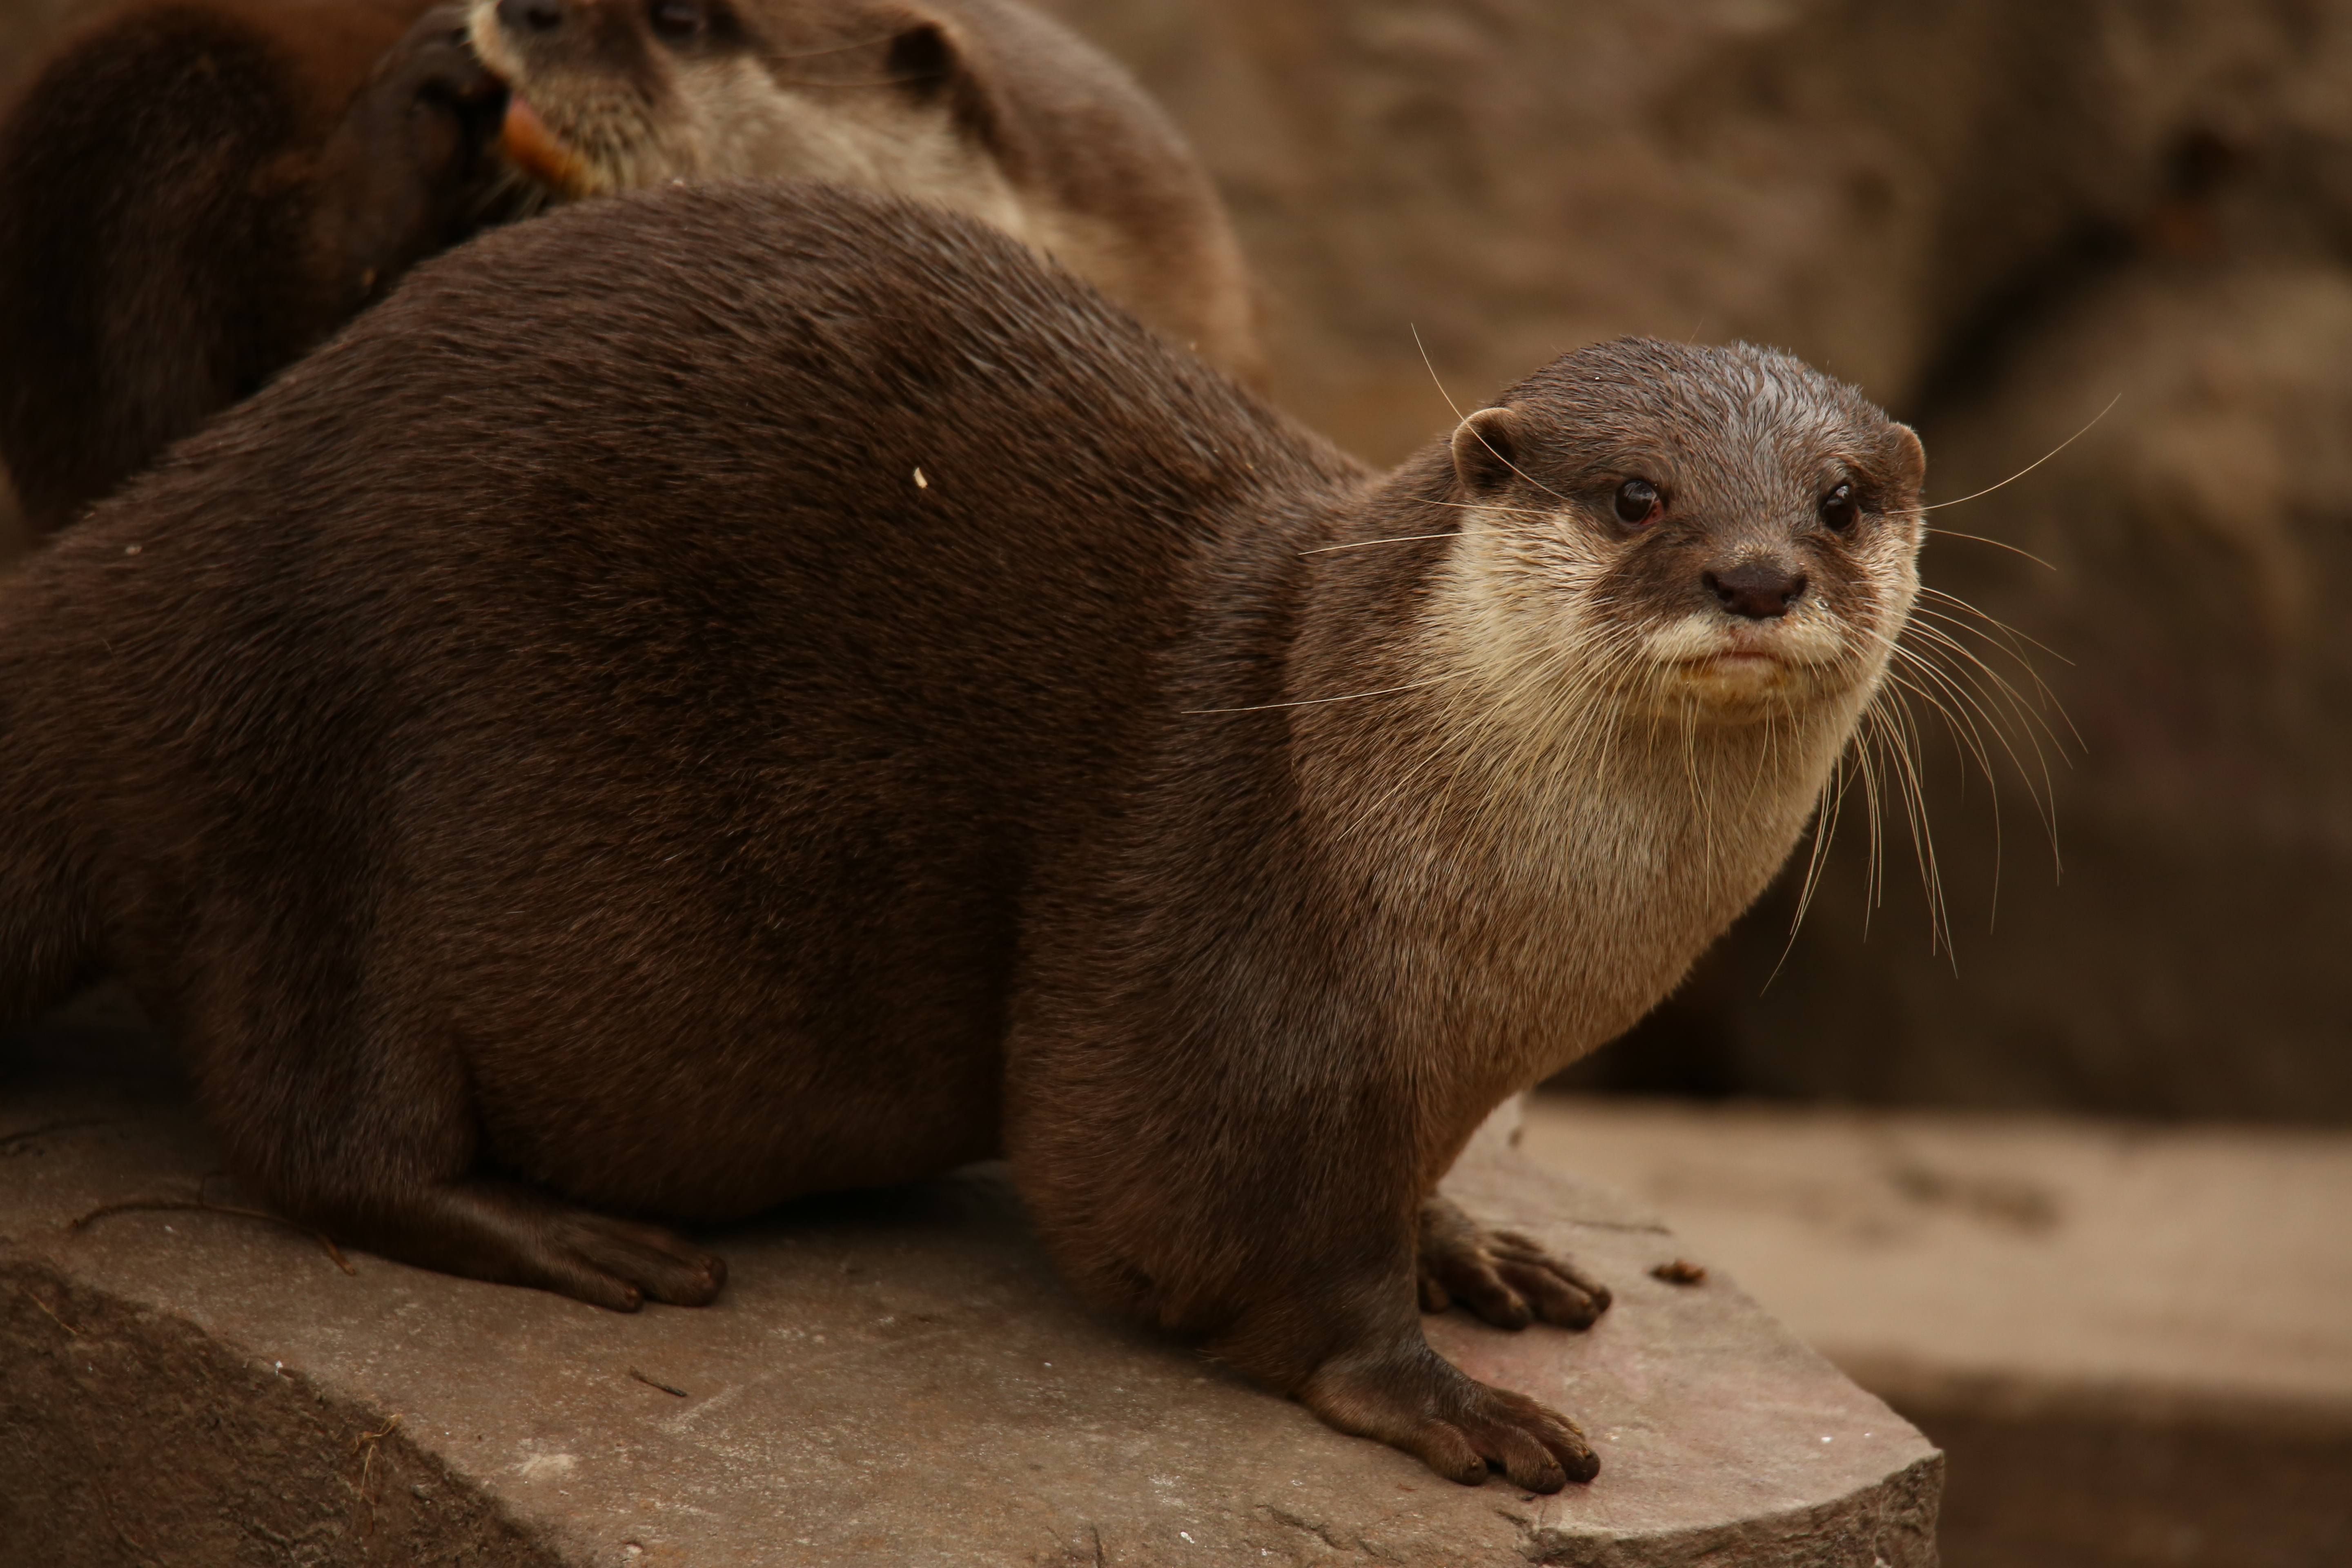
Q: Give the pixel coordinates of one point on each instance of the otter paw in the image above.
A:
(511, 1235)
(1502, 1276)
(620, 1264)
(1414, 1400)
(412, 168)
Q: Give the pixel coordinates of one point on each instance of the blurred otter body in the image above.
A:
(984, 107)
(874, 706)
(195, 191)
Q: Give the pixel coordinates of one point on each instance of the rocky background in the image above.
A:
(1999, 218)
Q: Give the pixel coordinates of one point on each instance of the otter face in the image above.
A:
(610, 95)
(1713, 534)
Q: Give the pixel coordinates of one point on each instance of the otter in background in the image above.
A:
(194, 193)
(733, 692)
(982, 106)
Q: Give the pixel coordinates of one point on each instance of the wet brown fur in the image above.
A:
(194, 193)
(550, 748)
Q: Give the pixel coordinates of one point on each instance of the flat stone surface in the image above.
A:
(895, 1378)
(2131, 1341)
(2187, 1262)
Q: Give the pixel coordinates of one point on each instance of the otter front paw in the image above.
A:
(1501, 1276)
(412, 167)
(1413, 1399)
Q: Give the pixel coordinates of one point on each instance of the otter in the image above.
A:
(193, 193)
(982, 106)
(735, 692)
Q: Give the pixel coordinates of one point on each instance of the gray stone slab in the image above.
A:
(894, 1378)
(2130, 1340)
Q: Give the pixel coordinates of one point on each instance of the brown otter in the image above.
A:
(742, 690)
(982, 106)
(195, 191)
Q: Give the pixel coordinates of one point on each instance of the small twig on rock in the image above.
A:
(664, 1387)
(45, 1306)
(197, 1206)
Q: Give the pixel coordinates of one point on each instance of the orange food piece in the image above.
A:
(538, 150)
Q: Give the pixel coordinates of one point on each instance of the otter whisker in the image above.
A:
(1824, 822)
(1913, 796)
(1994, 629)
(1965, 734)
(1991, 682)
(1991, 705)
(1828, 811)
(1866, 759)
(1996, 543)
(1982, 710)
(1968, 704)
(2028, 468)
(1960, 713)
(1891, 727)
(1459, 416)
(1987, 688)
(1993, 700)
(1479, 728)
(1941, 640)
(1314, 702)
(1360, 544)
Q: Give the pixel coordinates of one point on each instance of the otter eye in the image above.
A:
(1637, 502)
(676, 20)
(1841, 506)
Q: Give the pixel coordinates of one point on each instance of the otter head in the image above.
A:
(1716, 536)
(609, 95)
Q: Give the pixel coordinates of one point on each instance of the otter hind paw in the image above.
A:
(645, 1261)
(1502, 1276)
(512, 1236)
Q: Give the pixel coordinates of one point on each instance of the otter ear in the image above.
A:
(1906, 460)
(1486, 450)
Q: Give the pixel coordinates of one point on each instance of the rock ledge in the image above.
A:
(897, 1378)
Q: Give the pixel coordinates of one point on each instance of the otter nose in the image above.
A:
(1759, 590)
(530, 16)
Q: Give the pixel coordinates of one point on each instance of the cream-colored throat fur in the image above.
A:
(1572, 834)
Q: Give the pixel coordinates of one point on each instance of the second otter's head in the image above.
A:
(610, 95)
(1717, 535)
